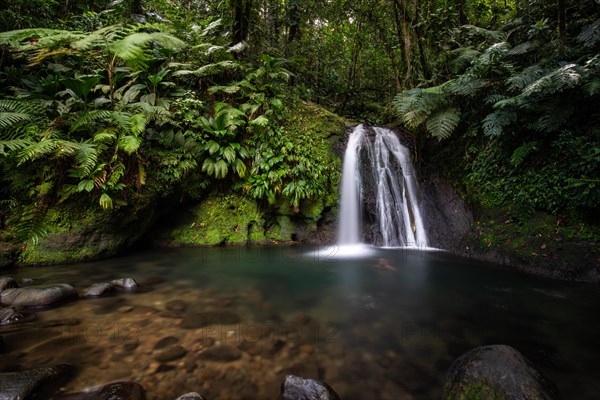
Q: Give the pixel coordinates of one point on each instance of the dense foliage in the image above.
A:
(106, 101)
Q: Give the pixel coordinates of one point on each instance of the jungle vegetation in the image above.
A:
(102, 102)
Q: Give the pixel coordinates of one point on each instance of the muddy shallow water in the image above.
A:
(231, 322)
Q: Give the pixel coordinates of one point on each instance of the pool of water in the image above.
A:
(370, 328)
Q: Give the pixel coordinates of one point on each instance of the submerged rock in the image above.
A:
(297, 388)
(166, 342)
(496, 372)
(37, 296)
(170, 354)
(221, 353)
(112, 391)
(7, 282)
(98, 289)
(40, 382)
(200, 320)
(125, 283)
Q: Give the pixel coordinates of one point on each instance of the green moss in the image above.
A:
(220, 219)
(282, 230)
(474, 391)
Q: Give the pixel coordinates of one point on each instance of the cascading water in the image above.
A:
(389, 165)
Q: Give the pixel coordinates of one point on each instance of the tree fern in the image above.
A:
(442, 123)
(555, 81)
(590, 36)
(493, 124)
(526, 77)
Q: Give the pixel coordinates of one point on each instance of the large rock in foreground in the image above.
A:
(37, 296)
(297, 388)
(112, 391)
(40, 382)
(496, 372)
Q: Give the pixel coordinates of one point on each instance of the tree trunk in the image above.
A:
(462, 17)
(241, 20)
(419, 39)
(294, 21)
(562, 22)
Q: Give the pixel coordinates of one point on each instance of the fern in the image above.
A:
(526, 77)
(493, 124)
(86, 157)
(590, 36)
(442, 123)
(522, 152)
(556, 115)
(523, 48)
(464, 58)
(555, 81)
(495, 36)
(415, 105)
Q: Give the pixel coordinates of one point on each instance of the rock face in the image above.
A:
(496, 372)
(447, 217)
(37, 296)
(40, 382)
(112, 391)
(297, 388)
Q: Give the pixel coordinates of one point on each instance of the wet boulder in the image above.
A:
(125, 283)
(7, 283)
(496, 372)
(112, 391)
(191, 396)
(10, 315)
(98, 289)
(41, 382)
(37, 296)
(297, 388)
(222, 353)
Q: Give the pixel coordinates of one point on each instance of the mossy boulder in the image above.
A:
(496, 372)
(221, 219)
(76, 233)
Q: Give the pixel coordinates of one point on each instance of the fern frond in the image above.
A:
(464, 57)
(496, 36)
(91, 117)
(442, 123)
(525, 77)
(590, 36)
(557, 113)
(132, 48)
(210, 69)
(522, 152)
(86, 157)
(523, 48)
(8, 119)
(554, 82)
(493, 124)
(415, 105)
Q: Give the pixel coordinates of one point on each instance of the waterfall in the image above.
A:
(377, 157)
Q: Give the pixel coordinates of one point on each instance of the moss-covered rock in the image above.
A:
(77, 233)
(496, 372)
(221, 219)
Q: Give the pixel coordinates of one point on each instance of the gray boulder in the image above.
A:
(496, 372)
(125, 283)
(112, 391)
(98, 289)
(297, 388)
(191, 396)
(37, 296)
(40, 382)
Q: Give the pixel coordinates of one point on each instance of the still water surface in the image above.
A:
(368, 332)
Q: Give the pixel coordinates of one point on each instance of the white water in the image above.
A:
(398, 213)
(350, 226)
